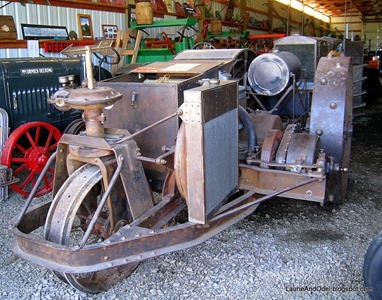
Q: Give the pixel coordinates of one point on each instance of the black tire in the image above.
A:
(372, 268)
(203, 45)
(75, 127)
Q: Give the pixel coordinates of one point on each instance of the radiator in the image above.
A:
(211, 124)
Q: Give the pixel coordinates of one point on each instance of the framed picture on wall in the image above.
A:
(114, 2)
(109, 31)
(44, 32)
(85, 26)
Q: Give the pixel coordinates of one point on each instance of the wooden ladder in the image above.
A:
(121, 47)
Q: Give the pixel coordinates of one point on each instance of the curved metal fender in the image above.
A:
(331, 119)
(331, 111)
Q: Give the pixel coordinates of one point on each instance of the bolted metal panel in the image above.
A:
(331, 119)
(142, 105)
(332, 101)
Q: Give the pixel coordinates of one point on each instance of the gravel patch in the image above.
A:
(286, 250)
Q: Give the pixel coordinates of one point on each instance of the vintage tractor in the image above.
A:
(35, 126)
(182, 128)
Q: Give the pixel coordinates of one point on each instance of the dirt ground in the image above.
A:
(366, 155)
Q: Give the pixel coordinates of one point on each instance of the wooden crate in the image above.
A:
(7, 28)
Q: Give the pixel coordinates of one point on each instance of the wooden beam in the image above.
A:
(270, 13)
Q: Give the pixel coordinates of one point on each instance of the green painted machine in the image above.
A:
(163, 49)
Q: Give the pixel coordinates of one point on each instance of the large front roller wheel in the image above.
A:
(68, 218)
(331, 118)
(372, 268)
(26, 151)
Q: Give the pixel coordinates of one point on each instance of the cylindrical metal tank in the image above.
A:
(270, 73)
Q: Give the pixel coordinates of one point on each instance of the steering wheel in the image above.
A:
(102, 73)
(203, 45)
(108, 59)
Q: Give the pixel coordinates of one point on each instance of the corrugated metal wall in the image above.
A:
(354, 25)
(62, 16)
(368, 32)
(373, 34)
(58, 16)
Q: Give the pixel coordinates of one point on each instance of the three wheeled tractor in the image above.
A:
(175, 152)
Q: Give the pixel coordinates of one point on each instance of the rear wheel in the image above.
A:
(26, 151)
(68, 218)
(372, 268)
(75, 127)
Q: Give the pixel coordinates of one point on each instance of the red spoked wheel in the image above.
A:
(26, 151)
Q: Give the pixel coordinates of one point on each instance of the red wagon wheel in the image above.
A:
(26, 151)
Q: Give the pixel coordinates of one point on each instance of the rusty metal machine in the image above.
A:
(176, 128)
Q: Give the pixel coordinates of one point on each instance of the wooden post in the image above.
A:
(245, 18)
(270, 14)
(201, 19)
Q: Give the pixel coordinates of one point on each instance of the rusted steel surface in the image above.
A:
(180, 161)
(271, 142)
(137, 189)
(209, 147)
(134, 183)
(267, 181)
(263, 123)
(331, 116)
(131, 245)
(152, 103)
(303, 149)
(282, 150)
(84, 98)
(331, 119)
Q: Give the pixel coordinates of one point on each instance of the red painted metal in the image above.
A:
(161, 43)
(26, 151)
(267, 36)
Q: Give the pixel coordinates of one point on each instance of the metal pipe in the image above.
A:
(34, 189)
(257, 100)
(147, 159)
(251, 161)
(148, 127)
(89, 67)
(281, 99)
(288, 19)
(93, 122)
(102, 203)
(294, 95)
(249, 128)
